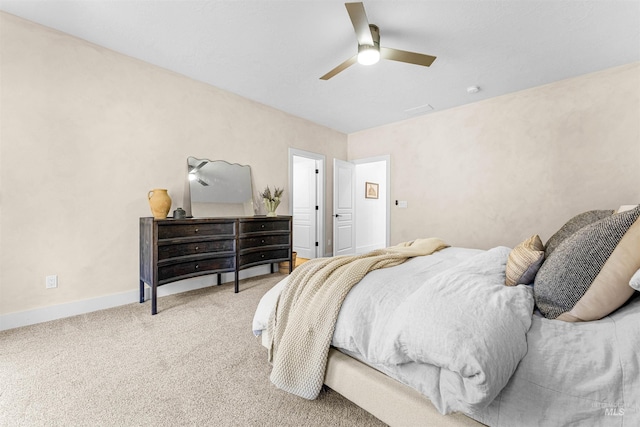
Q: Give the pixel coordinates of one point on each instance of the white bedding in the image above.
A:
(582, 374)
(419, 313)
(572, 374)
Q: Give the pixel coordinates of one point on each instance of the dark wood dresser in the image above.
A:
(177, 249)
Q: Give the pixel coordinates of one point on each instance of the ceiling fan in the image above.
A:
(369, 50)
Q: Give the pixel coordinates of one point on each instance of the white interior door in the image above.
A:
(306, 231)
(344, 231)
(305, 207)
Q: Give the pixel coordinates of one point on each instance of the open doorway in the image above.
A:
(361, 218)
(373, 203)
(306, 204)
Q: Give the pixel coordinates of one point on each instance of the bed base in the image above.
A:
(387, 399)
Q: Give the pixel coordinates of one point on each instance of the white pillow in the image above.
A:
(624, 208)
(635, 281)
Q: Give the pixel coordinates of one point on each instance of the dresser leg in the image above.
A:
(141, 291)
(219, 279)
(154, 300)
(236, 284)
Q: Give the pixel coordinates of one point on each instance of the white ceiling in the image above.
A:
(274, 52)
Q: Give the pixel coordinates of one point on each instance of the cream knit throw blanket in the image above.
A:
(301, 325)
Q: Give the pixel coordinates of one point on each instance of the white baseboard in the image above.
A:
(45, 314)
(368, 248)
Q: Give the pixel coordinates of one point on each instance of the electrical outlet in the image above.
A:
(329, 242)
(51, 281)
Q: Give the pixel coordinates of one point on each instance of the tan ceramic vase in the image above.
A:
(160, 202)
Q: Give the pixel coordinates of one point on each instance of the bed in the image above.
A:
(532, 335)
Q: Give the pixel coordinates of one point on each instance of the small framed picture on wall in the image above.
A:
(370, 190)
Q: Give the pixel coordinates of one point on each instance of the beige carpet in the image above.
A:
(195, 363)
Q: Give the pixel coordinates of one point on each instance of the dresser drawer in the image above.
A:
(173, 231)
(263, 257)
(184, 249)
(194, 268)
(252, 242)
(263, 225)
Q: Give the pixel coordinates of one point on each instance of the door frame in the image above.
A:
(320, 193)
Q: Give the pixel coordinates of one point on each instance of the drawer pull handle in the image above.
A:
(262, 240)
(262, 225)
(196, 230)
(197, 266)
(197, 248)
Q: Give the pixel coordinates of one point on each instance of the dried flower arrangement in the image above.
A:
(271, 200)
(277, 193)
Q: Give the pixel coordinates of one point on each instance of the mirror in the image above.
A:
(218, 188)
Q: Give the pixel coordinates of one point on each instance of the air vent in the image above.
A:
(426, 108)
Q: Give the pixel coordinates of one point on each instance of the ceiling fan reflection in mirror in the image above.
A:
(195, 176)
(369, 49)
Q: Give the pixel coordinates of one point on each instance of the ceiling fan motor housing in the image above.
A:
(368, 54)
(375, 34)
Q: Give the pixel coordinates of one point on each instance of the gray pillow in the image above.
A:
(573, 266)
(573, 225)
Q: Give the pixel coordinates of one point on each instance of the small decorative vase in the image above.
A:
(160, 202)
(179, 214)
(271, 206)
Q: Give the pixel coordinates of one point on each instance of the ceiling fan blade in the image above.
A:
(340, 67)
(193, 169)
(404, 56)
(360, 23)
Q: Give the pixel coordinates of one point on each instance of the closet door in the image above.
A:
(344, 231)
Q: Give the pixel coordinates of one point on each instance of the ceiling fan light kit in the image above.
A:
(368, 55)
(369, 50)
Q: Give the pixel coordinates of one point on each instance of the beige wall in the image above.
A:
(86, 132)
(494, 172)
